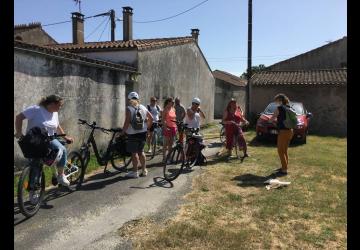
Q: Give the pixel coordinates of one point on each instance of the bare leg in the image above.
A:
(142, 159)
(135, 161)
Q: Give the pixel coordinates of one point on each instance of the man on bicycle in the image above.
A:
(194, 114)
(155, 111)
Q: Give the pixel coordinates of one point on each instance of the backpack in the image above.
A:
(35, 144)
(291, 119)
(137, 121)
(157, 107)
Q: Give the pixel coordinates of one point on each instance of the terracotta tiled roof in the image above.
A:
(66, 55)
(301, 77)
(230, 78)
(140, 44)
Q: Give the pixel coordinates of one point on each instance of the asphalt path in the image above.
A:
(91, 217)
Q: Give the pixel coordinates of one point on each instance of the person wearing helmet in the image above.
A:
(137, 121)
(194, 114)
(45, 116)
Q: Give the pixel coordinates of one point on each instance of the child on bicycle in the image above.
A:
(232, 117)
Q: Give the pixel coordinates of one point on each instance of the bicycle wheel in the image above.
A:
(239, 149)
(192, 153)
(154, 145)
(174, 163)
(74, 159)
(27, 207)
(119, 161)
(222, 135)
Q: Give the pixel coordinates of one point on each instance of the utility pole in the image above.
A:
(112, 17)
(248, 86)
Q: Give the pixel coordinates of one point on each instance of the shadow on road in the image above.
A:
(158, 182)
(250, 180)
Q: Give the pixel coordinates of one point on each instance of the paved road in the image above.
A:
(90, 218)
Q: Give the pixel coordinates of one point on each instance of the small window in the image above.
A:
(343, 65)
(19, 38)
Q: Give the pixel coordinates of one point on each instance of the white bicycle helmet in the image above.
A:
(54, 157)
(196, 100)
(133, 95)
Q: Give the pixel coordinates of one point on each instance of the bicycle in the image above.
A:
(239, 150)
(31, 185)
(155, 140)
(177, 158)
(222, 133)
(115, 151)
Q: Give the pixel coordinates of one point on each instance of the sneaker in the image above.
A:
(149, 151)
(34, 197)
(132, 174)
(144, 172)
(63, 181)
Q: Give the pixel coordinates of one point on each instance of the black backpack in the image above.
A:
(137, 121)
(35, 144)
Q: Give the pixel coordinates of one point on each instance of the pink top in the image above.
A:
(170, 118)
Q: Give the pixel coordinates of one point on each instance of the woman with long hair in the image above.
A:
(232, 117)
(285, 134)
(169, 125)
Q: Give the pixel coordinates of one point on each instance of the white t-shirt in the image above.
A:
(143, 111)
(38, 116)
(193, 123)
(155, 112)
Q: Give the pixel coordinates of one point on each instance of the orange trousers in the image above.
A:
(283, 141)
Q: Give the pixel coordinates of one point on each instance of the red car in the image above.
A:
(264, 128)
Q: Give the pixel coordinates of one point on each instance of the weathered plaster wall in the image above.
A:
(176, 71)
(328, 105)
(91, 93)
(223, 93)
(329, 56)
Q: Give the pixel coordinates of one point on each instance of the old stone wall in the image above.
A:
(330, 56)
(328, 104)
(35, 36)
(176, 71)
(91, 93)
(223, 93)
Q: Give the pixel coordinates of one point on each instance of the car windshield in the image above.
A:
(298, 107)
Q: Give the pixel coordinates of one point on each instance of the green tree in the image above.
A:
(254, 70)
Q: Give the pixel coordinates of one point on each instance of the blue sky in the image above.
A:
(281, 28)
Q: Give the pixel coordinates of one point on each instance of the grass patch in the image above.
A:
(229, 207)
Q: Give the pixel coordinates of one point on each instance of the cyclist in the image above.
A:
(180, 115)
(155, 111)
(194, 114)
(45, 115)
(137, 120)
(169, 125)
(232, 117)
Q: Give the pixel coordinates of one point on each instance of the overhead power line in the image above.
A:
(56, 23)
(92, 32)
(104, 28)
(170, 17)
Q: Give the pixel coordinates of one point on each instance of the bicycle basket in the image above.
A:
(35, 144)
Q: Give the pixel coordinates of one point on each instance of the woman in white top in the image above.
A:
(45, 116)
(194, 114)
(137, 120)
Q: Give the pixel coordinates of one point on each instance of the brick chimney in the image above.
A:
(78, 27)
(195, 34)
(127, 23)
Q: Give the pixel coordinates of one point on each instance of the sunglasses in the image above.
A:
(197, 104)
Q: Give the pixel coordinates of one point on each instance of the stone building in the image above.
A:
(330, 56)
(228, 86)
(92, 89)
(32, 33)
(167, 66)
(323, 93)
(317, 78)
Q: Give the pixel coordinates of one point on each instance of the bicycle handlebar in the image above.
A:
(93, 126)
